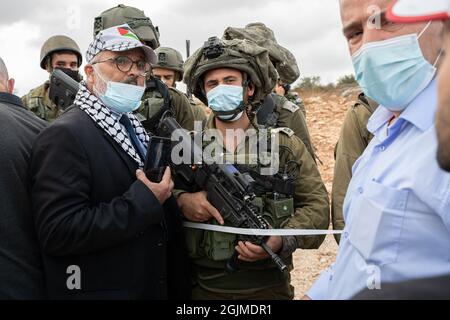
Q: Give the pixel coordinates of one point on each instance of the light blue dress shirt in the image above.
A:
(397, 207)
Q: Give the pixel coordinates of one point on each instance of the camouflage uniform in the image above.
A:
(38, 102)
(262, 280)
(308, 209)
(144, 29)
(38, 99)
(353, 140)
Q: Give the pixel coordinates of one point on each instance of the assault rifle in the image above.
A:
(228, 190)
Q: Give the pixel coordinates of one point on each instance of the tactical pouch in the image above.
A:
(259, 203)
(277, 211)
(153, 106)
(194, 242)
(219, 246)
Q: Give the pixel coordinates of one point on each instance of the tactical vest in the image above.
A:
(156, 103)
(268, 113)
(277, 111)
(274, 201)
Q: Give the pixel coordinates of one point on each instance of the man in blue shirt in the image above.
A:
(412, 11)
(397, 208)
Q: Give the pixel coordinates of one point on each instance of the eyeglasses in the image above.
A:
(125, 64)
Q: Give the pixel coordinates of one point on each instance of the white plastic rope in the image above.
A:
(260, 232)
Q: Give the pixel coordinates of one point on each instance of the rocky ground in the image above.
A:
(325, 114)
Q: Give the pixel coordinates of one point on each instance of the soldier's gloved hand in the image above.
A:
(196, 208)
(162, 190)
(250, 252)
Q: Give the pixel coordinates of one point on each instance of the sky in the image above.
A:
(310, 29)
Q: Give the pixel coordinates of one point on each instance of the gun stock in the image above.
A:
(63, 89)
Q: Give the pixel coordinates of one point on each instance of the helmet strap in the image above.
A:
(249, 107)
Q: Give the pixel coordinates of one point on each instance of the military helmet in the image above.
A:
(135, 18)
(59, 43)
(283, 60)
(243, 55)
(171, 59)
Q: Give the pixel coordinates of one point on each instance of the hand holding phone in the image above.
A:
(158, 158)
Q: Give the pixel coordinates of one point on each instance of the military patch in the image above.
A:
(288, 105)
(285, 130)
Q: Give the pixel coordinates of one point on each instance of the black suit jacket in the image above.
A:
(21, 272)
(92, 213)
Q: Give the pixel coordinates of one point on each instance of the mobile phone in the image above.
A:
(158, 158)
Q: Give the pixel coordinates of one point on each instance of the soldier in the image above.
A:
(57, 52)
(353, 140)
(277, 110)
(233, 78)
(169, 70)
(157, 98)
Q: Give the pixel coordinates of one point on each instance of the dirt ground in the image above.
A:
(325, 114)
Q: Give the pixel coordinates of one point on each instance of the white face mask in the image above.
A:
(393, 72)
(119, 97)
(227, 102)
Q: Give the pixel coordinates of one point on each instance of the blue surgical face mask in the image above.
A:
(393, 72)
(227, 102)
(121, 97)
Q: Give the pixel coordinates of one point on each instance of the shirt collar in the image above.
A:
(114, 114)
(12, 99)
(420, 112)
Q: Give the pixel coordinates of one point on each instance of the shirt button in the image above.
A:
(345, 235)
(360, 190)
(160, 244)
(383, 148)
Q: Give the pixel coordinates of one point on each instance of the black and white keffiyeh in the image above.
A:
(95, 108)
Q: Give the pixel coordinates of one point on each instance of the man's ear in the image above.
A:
(89, 71)
(250, 89)
(11, 82)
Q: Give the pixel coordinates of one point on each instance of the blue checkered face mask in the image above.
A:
(227, 102)
(120, 97)
(393, 72)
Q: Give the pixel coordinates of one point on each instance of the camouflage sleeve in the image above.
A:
(312, 210)
(182, 108)
(26, 101)
(33, 107)
(353, 140)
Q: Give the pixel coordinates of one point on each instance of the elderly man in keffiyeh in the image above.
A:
(106, 231)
